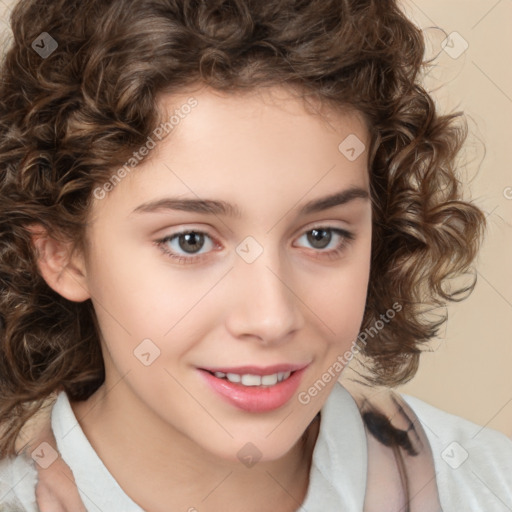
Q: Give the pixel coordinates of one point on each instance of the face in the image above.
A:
(238, 250)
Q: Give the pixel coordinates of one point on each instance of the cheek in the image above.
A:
(341, 305)
(342, 299)
(149, 312)
(137, 289)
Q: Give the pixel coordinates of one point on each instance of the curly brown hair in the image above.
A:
(68, 120)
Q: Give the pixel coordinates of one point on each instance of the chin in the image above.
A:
(249, 451)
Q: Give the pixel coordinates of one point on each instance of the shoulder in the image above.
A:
(443, 426)
(473, 463)
(18, 479)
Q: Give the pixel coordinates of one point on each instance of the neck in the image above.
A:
(179, 472)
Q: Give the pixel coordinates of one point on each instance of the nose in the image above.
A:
(264, 305)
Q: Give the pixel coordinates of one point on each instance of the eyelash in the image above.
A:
(346, 238)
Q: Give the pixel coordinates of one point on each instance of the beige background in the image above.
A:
(468, 373)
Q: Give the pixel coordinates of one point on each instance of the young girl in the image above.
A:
(205, 209)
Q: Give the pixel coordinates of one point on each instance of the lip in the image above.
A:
(255, 398)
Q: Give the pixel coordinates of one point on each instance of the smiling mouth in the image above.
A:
(251, 380)
(255, 389)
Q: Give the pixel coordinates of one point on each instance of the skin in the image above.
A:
(269, 155)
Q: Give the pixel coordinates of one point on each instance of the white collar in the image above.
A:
(339, 466)
(97, 487)
(337, 476)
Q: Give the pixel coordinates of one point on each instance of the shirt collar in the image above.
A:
(98, 489)
(339, 467)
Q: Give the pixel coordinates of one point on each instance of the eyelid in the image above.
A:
(325, 225)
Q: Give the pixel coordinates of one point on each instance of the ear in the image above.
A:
(62, 271)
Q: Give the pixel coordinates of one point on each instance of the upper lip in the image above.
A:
(256, 370)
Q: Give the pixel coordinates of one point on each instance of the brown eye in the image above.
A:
(319, 238)
(327, 242)
(191, 242)
(187, 246)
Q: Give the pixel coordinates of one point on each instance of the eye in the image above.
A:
(185, 246)
(320, 238)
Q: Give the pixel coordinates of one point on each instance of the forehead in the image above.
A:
(263, 112)
(252, 148)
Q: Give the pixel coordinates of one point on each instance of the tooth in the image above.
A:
(286, 375)
(220, 375)
(233, 377)
(251, 380)
(280, 376)
(269, 380)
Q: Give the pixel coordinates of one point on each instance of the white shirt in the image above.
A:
(473, 464)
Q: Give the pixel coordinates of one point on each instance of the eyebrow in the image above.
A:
(217, 207)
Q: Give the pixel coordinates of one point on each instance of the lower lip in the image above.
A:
(255, 398)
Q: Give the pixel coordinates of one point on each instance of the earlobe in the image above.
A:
(62, 272)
